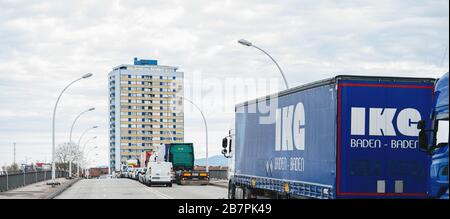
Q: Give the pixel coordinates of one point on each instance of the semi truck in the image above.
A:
(181, 155)
(433, 140)
(343, 137)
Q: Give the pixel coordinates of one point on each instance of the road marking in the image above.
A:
(156, 192)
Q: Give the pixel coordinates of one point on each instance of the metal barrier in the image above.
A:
(14, 180)
(218, 174)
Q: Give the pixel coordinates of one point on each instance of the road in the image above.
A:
(130, 189)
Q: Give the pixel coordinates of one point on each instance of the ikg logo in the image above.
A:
(381, 121)
(290, 128)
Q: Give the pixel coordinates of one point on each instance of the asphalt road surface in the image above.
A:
(130, 189)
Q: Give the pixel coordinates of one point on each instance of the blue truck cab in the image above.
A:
(433, 139)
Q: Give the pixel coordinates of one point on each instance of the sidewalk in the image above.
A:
(219, 182)
(38, 190)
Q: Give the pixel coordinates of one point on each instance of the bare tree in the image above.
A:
(11, 168)
(67, 152)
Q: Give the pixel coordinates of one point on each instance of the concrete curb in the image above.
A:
(62, 189)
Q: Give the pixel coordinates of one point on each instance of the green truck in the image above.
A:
(182, 157)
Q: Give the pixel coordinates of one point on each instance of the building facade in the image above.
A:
(145, 109)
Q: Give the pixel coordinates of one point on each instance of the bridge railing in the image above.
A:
(218, 174)
(18, 179)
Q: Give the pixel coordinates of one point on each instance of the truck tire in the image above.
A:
(249, 193)
(169, 185)
(231, 191)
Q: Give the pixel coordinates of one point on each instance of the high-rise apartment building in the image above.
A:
(144, 110)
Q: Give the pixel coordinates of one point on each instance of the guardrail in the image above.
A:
(218, 174)
(14, 180)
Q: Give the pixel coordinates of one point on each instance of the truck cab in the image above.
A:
(433, 139)
(181, 155)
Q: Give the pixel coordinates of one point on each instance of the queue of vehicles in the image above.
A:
(344, 137)
(173, 163)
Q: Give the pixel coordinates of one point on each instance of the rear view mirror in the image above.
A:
(225, 142)
(423, 140)
(421, 125)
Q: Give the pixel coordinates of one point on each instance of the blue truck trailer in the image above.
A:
(344, 137)
(433, 139)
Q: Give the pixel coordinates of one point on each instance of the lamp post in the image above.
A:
(86, 169)
(206, 128)
(247, 43)
(79, 163)
(82, 150)
(161, 124)
(79, 141)
(81, 137)
(53, 124)
(84, 146)
(85, 131)
(70, 137)
(14, 153)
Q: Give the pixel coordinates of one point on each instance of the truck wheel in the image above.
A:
(248, 193)
(169, 185)
(231, 191)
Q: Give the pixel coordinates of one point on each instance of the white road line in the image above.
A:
(154, 191)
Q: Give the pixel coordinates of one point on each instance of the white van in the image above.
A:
(158, 173)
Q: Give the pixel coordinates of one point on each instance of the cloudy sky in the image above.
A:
(46, 44)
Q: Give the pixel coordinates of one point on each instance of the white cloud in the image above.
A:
(46, 44)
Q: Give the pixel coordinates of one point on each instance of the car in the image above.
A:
(141, 175)
(136, 173)
(158, 173)
(129, 172)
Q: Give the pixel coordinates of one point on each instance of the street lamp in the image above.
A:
(86, 168)
(84, 146)
(81, 137)
(247, 43)
(53, 124)
(87, 154)
(170, 133)
(206, 128)
(82, 150)
(161, 124)
(79, 163)
(70, 138)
